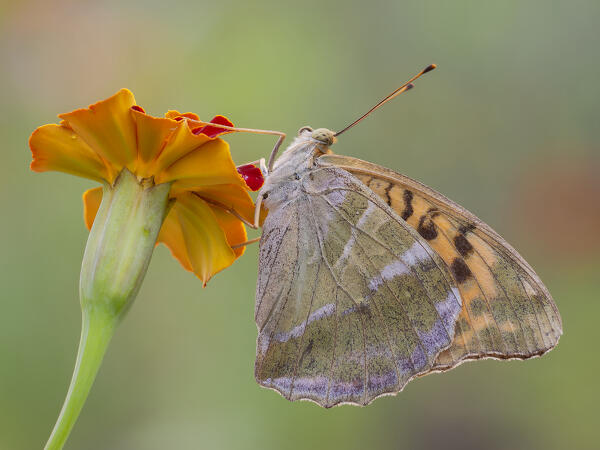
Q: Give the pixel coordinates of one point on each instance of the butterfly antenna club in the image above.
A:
(405, 87)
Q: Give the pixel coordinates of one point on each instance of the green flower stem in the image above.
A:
(116, 258)
(96, 332)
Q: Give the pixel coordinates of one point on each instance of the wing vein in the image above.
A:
(416, 275)
(320, 239)
(270, 273)
(382, 320)
(287, 296)
(334, 346)
(487, 300)
(300, 351)
(510, 302)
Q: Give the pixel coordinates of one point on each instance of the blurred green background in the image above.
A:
(508, 126)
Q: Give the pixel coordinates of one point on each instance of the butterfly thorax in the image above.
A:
(282, 185)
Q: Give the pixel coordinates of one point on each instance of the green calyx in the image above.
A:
(121, 242)
(116, 258)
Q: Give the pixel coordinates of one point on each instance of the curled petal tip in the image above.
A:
(252, 176)
(212, 132)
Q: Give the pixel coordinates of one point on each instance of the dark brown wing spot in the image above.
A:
(426, 226)
(460, 270)
(464, 229)
(463, 246)
(408, 208)
(388, 199)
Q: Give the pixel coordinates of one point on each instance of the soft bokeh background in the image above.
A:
(508, 126)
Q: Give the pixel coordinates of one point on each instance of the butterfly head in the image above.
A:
(323, 136)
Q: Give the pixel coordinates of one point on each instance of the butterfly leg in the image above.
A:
(274, 152)
(254, 225)
(256, 131)
(243, 244)
(233, 212)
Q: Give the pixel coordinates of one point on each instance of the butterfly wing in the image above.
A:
(507, 312)
(351, 302)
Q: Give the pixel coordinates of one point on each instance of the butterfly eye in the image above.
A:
(324, 136)
(303, 129)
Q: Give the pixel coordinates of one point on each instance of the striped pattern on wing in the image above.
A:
(351, 303)
(507, 311)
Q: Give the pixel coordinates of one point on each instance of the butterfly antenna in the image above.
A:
(405, 87)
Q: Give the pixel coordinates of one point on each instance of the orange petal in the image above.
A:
(56, 147)
(152, 134)
(205, 241)
(181, 142)
(91, 203)
(212, 131)
(209, 164)
(231, 196)
(172, 114)
(172, 236)
(108, 128)
(234, 229)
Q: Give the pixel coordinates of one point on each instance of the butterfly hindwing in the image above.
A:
(507, 312)
(351, 301)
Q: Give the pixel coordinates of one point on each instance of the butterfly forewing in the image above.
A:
(351, 301)
(506, 312)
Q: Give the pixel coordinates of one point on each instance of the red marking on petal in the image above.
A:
(252, 176)
(214, 131)
(138, 108)
(178, 118)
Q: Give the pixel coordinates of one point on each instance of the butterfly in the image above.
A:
(368, 279)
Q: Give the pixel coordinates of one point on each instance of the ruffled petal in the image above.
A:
(214, 131)
(234, 229)
(57, 147)
(205, 241)
(209, 233)
(108, 128)
(230, 196)
(181, 142)
(172, 236)
(252, 175)
(91, 203)
(176, 115)
(152, 134)
(207, 165)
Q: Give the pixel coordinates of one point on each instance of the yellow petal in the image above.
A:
(172, 236)
(234, 229)
(108, 128)
(209, 164)
(152, 134)
(230, 196)
(56, 147)
(173, 114)
(91, 203)
(181, 142)
(205, 241)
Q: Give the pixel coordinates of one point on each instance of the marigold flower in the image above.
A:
(100, 141)
(169, 180)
